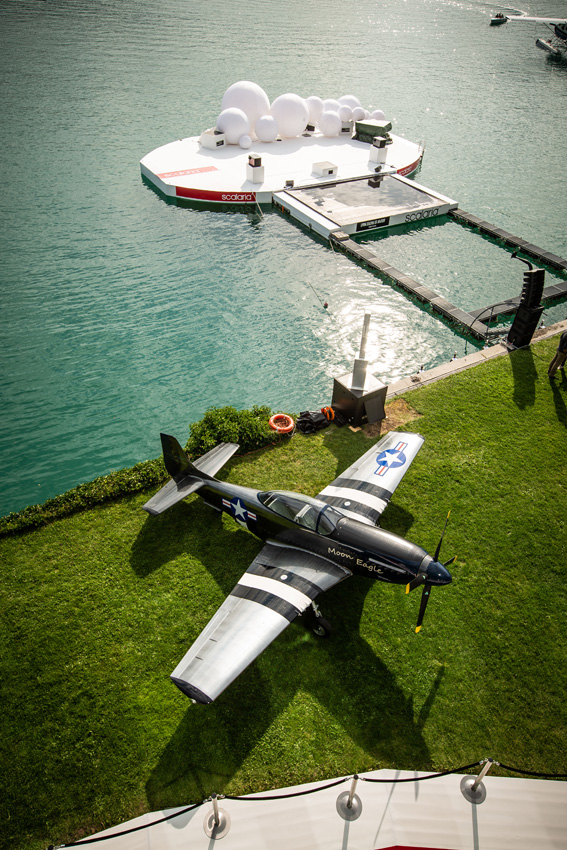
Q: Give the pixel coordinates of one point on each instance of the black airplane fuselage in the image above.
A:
(324, 531)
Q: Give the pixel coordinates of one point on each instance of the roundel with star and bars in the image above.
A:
(239, 511)
(391, 458)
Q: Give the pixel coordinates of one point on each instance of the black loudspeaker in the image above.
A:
(532, 289)
(524, 325)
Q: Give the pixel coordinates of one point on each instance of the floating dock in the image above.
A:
(363, 204)
(438, 304)
(509, 239)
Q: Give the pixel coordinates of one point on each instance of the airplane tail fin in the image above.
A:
(186, 477)
(175, 460)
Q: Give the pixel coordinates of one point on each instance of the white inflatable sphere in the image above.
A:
(249, 97)
(245, 142)
(330, 123)
(378, 115)
(358, 113)
(266, 128)
(315, 107)
(291, 113)
(331, 105)
(234, 123)
(345, 113)
(349, 100)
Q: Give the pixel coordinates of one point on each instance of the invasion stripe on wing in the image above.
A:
(278, 588)
(366, 486)
(291, 578)
(348, 494)
(359, 512)
(268, 600)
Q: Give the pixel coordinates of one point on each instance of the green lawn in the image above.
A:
(98, 608)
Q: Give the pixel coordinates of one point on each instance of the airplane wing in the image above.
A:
(365, 488)
(279, 584)
(532, 19)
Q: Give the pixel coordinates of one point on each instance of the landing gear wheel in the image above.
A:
(320, 627)
(316, 623)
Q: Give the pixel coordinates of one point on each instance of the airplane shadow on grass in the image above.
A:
(342, 673)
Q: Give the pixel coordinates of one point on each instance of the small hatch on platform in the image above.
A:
(325, 169)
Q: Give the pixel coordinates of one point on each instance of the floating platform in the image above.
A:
(186, 171)
(356, 206)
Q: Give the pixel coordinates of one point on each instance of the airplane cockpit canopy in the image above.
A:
(305, 511)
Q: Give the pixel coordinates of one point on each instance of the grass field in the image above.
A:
(98, 608)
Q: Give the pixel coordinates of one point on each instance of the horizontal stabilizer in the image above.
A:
(171, 493)
(216, 458)
(186, 477)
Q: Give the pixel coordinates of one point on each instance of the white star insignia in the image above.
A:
(239, 511)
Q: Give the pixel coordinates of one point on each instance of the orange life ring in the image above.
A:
(282, 423)
(329, 413)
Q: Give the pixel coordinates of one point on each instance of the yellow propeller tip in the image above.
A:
(407, 588)
(417, 628)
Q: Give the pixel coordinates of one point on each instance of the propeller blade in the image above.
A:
(423, 606)
(450, 561)
(436, 555)
(416, 582)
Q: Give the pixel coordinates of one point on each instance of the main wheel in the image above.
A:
(321, 627)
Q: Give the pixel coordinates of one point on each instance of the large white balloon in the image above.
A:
(358, 113)
(345, 113)
(349, 100)
(234, 123)
(315, 107)
(266, 128)
(331, 105)
(249, 97)
(291, 113)
(378, 115)
(330, 123)
(245, 142)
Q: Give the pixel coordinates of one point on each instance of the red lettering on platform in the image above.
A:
(202, 170)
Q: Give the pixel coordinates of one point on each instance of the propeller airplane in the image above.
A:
(556, 45)
(310, 544)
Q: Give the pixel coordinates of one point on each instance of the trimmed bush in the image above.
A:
(249, 428)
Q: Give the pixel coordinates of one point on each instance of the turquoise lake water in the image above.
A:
(122, 315)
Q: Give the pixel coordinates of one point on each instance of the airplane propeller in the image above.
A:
(423, 578)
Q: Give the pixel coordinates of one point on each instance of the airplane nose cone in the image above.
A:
(438, 574)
